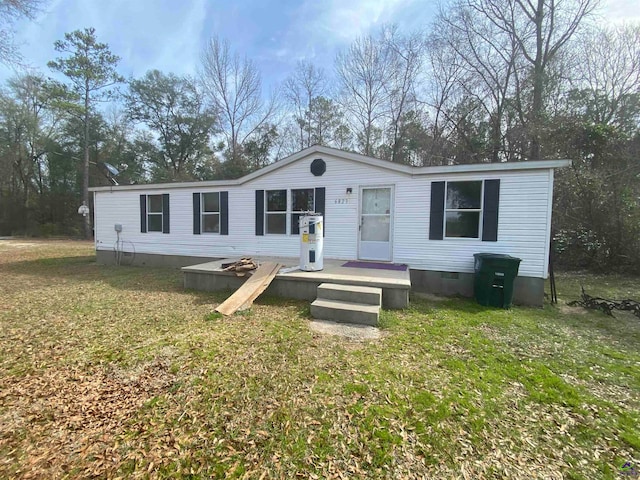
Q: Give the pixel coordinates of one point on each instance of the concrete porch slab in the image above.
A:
(300, 285)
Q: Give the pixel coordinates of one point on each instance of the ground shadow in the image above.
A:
(624, 329)
(84, 270)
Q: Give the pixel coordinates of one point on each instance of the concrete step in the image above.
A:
(346, 312)
(350, 293)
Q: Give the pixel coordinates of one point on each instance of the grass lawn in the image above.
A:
(118, 372)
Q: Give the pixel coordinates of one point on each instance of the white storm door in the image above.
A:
(376, 217)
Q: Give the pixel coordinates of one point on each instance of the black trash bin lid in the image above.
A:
(496, 255)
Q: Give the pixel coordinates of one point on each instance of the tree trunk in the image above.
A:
(25, 200)
(536, 114)
(538, 86)
(396, 140)
(85, 166)
(496, 136)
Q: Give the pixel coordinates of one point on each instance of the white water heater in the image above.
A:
(311, 242)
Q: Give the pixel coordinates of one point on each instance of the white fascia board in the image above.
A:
(355, 157)
(210, 183)
(493, 167)
(166, 186)
(316, 149)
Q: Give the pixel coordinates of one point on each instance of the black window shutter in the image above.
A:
(165, 213)
(224, 213)
(259, 212)
(436, 216)
(320, 207)
(490, 211)
(196, 214)
(143, 214)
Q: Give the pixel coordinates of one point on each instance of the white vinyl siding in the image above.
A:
(523, 225)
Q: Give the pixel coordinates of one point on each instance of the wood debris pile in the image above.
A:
(605, 305)
(241, 267)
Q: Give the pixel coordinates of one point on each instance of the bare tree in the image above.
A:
(377, 76)
(10, 12)
(540, 28)
(234, 88)
(608, 67)
(405, 56)
(300, 89)
(441, 94)
(487, 61)
(362, 70)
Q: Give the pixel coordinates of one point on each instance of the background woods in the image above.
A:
(488, 81)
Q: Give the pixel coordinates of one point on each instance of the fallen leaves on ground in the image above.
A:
(72, 416)
(117, 372)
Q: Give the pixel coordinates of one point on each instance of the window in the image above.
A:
(211, 212)
(276, 211)
(463, 209)
(154, 213)
(302, 200)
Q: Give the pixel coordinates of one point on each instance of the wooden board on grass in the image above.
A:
(251, 289)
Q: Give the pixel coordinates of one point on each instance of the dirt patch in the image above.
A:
(430, 297)
(5, 243)
(618, 315)
(348, 330)
(569, 310)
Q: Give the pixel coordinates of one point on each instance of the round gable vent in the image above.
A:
(318, 167)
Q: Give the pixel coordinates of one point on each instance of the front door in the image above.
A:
(376, 219)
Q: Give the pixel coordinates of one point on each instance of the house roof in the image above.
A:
(354, 157)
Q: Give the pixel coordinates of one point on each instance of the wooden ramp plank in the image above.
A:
(251, 289)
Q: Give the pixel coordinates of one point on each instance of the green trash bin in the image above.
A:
(494, 277)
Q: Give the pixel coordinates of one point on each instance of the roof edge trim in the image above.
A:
(355, 157)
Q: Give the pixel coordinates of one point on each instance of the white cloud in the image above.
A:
(169, 34)
(620, 11)
(318, 30)
(144, 33)
(336, 22)
(177, 41)
(346, 20)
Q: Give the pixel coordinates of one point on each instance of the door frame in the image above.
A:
(392, 209)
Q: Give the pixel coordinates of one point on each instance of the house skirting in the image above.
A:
(527, 290)
(108, 257)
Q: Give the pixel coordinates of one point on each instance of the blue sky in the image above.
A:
(169, 34)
